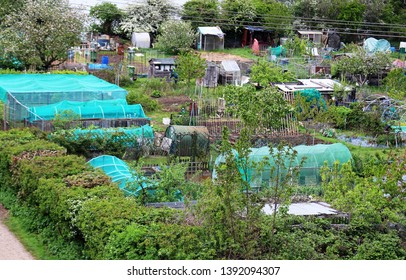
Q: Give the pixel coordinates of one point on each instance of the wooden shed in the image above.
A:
(314, 36)
(160, 67)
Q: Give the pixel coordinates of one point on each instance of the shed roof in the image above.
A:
(309, 32)
(211, 30)
(256, 28)
(306, 209)
(168, 61)
(322, 85)
(230, 66)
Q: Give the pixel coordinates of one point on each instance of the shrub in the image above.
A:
(148, 104)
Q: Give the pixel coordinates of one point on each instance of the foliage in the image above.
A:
(308, 107)
(396, 83)
(261, 109)
(264, 73)
(273, 13)
(148, 104)
(175, 36)
(40, 32)
(64, 119)
(189, 65)
(352, 11)
(92, 144)
(297, 46)
(109, 16)
(338, 116)
(146, 17)
(361, 65)
(237, 13)
(199, 11)
(369, 122)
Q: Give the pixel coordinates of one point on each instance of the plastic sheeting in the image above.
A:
(372, 45)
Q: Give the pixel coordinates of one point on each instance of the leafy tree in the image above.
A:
(146, 17)
(109, 16)
(352, 11)
(175, 36)
(39, 33)
(264, 73)
(189, 65)
(396, 83)
(273, 14)
(201, 12)
(361, 65)
(258, 109)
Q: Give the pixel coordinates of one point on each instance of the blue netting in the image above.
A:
(121, 174)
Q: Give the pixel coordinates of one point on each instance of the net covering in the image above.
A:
(43, 89)
(95, 109)
(120, 173)
(313, 158)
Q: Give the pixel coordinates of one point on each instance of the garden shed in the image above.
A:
(314, 158)
(191, 141)
(230, 72)
(160, 67)
(314, 36)
(141, 40)
(256, 32)
(210, 38)
(21, 91)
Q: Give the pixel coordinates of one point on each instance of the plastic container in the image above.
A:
(105, 60)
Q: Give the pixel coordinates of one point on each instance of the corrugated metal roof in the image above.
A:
(230, 66)
(306, 209)
(256, 28)
(211, 30)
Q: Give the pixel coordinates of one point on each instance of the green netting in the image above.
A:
(95, 109)
(120, 173)
(277, 51)
(188, 140)
(312, 96)
(43, 89)
(314, 158)
(133, 136)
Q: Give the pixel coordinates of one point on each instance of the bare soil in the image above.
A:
(173, 103)
(216, 56)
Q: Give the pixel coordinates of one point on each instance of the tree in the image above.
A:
(273, 14)
(189, 65)
(258, 109)
(109, 16)
(147, 17)
(175, 36)
(264, 73)
(40, 32)
(361, 65)
(201, 12)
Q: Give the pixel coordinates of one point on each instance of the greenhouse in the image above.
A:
(120, 173)
(313, 157)
(94, 109)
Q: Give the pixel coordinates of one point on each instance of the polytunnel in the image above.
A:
(94, 109)
(313, 158)
(120, 173)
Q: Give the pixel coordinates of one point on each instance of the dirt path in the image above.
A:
(10, 247)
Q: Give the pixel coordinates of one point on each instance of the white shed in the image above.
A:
(314, 36)
(141, 40)
(210, 38)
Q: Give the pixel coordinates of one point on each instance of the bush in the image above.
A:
(148, 104)
(338, 115)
